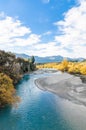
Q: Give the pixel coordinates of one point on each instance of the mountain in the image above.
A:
(75, 59)
(41, 59)
(22, 55)
(49, 58)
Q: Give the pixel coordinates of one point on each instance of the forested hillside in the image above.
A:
(11, 71)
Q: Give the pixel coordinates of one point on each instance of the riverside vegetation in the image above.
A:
(67, 66)
(11, 71)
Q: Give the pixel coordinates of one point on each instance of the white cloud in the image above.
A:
(32, 39)
(73, 30)
(71, 41)
(44, 49)
(12, 27)
(13, 34)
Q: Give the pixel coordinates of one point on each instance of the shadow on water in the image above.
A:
(24, 78)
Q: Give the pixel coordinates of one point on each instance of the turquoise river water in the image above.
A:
(41, 110)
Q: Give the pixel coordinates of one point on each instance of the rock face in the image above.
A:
(64, 85)
(14, 67)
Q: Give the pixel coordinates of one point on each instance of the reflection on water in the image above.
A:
(40, 110)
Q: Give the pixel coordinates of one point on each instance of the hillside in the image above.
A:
(11, 71)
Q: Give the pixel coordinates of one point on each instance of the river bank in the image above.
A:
(65, 86)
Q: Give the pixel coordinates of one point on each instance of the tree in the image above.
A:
(65, 64)
(32, 65)
(7, 91)
(32, 60)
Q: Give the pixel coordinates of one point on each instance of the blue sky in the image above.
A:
(43, 27)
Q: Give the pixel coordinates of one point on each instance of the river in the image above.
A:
(41, 110)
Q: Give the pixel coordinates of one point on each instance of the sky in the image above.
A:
(43, 27)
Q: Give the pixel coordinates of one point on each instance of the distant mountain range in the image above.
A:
(22, 55)
(46, 59)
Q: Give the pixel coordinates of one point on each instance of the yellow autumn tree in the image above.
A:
(63, 66)
(7, 91)
(68, 66)
(83, 70)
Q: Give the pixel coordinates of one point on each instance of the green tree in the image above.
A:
(32, 63)
(32, 60)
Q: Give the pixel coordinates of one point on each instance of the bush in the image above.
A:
(7, 91)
